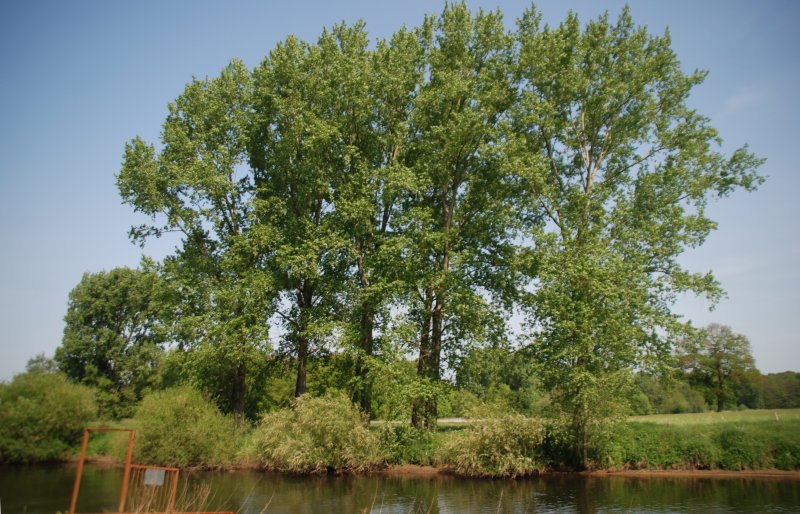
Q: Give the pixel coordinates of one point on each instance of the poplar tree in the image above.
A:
(200, 186)
(626, 169)
(459, 218)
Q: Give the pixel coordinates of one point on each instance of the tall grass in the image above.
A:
(316, 435)
(503, 447)
(705, 418)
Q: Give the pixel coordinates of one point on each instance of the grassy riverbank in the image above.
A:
(178, 427)
(711, 418)
(726, 445)
(328, 438)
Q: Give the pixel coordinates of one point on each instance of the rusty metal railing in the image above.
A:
(151, 489)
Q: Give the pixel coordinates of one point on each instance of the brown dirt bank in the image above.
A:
(776, 474)
(410, 470)
(413, 471)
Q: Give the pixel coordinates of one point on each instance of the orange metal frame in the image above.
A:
(79, 473)
(126, 477)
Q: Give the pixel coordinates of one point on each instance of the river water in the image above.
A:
(47, 489)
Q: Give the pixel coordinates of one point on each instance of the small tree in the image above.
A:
(113, 335)
(718, 360)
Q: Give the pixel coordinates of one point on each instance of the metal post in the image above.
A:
(77, 485)
(127, 476)
(173, 493)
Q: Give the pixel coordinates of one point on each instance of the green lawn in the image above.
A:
(707, 418)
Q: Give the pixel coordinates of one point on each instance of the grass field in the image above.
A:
(708, 418)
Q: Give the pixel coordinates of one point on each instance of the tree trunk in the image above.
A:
(437, 322)
(302, 360)
(420, 407)
(239, 392)
(363, 390)
(305, 297)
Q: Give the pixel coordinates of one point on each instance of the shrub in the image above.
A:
(178, 427)
(502, 447)
(786, 452)
(42, 416)
(317, 435)
(740, 450)
(404, 444)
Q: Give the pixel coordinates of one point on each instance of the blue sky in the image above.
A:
(78, 79)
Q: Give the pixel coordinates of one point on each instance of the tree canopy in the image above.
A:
(113, 335)
(717, 359)
(403, 199)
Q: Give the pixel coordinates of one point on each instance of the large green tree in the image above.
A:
(718, 361)
(200, 186)
(373, 93)
(460, 218)
(622, 169)
(294, 153)
(113, 335)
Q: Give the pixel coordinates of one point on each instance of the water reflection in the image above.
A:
(47, 489)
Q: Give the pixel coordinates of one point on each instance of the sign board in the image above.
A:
(154, 477)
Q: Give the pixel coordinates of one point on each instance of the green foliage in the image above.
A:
(433, 181)
(459, 220)
(780, 390)
(720, 361)
(403, 444)
(741, 446)
(397, 387)
(652, 446)
(178, 427)
(501, 378)
(42, 416)
(198, 186)
(113, 335)
(741, 449)
(503, 447)
(621, 170)
(317, 435)
(713, 417)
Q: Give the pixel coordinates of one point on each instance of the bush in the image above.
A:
(785, 452)
(502, 447)
(178, 427)
(740, 450)
(42, 416)
(317, 435)
(404, 444)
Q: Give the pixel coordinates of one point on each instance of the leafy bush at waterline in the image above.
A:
(42, 416)
(178, 427)
(317, 435)
(503, 447)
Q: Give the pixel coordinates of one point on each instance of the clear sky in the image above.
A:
(78, 79)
